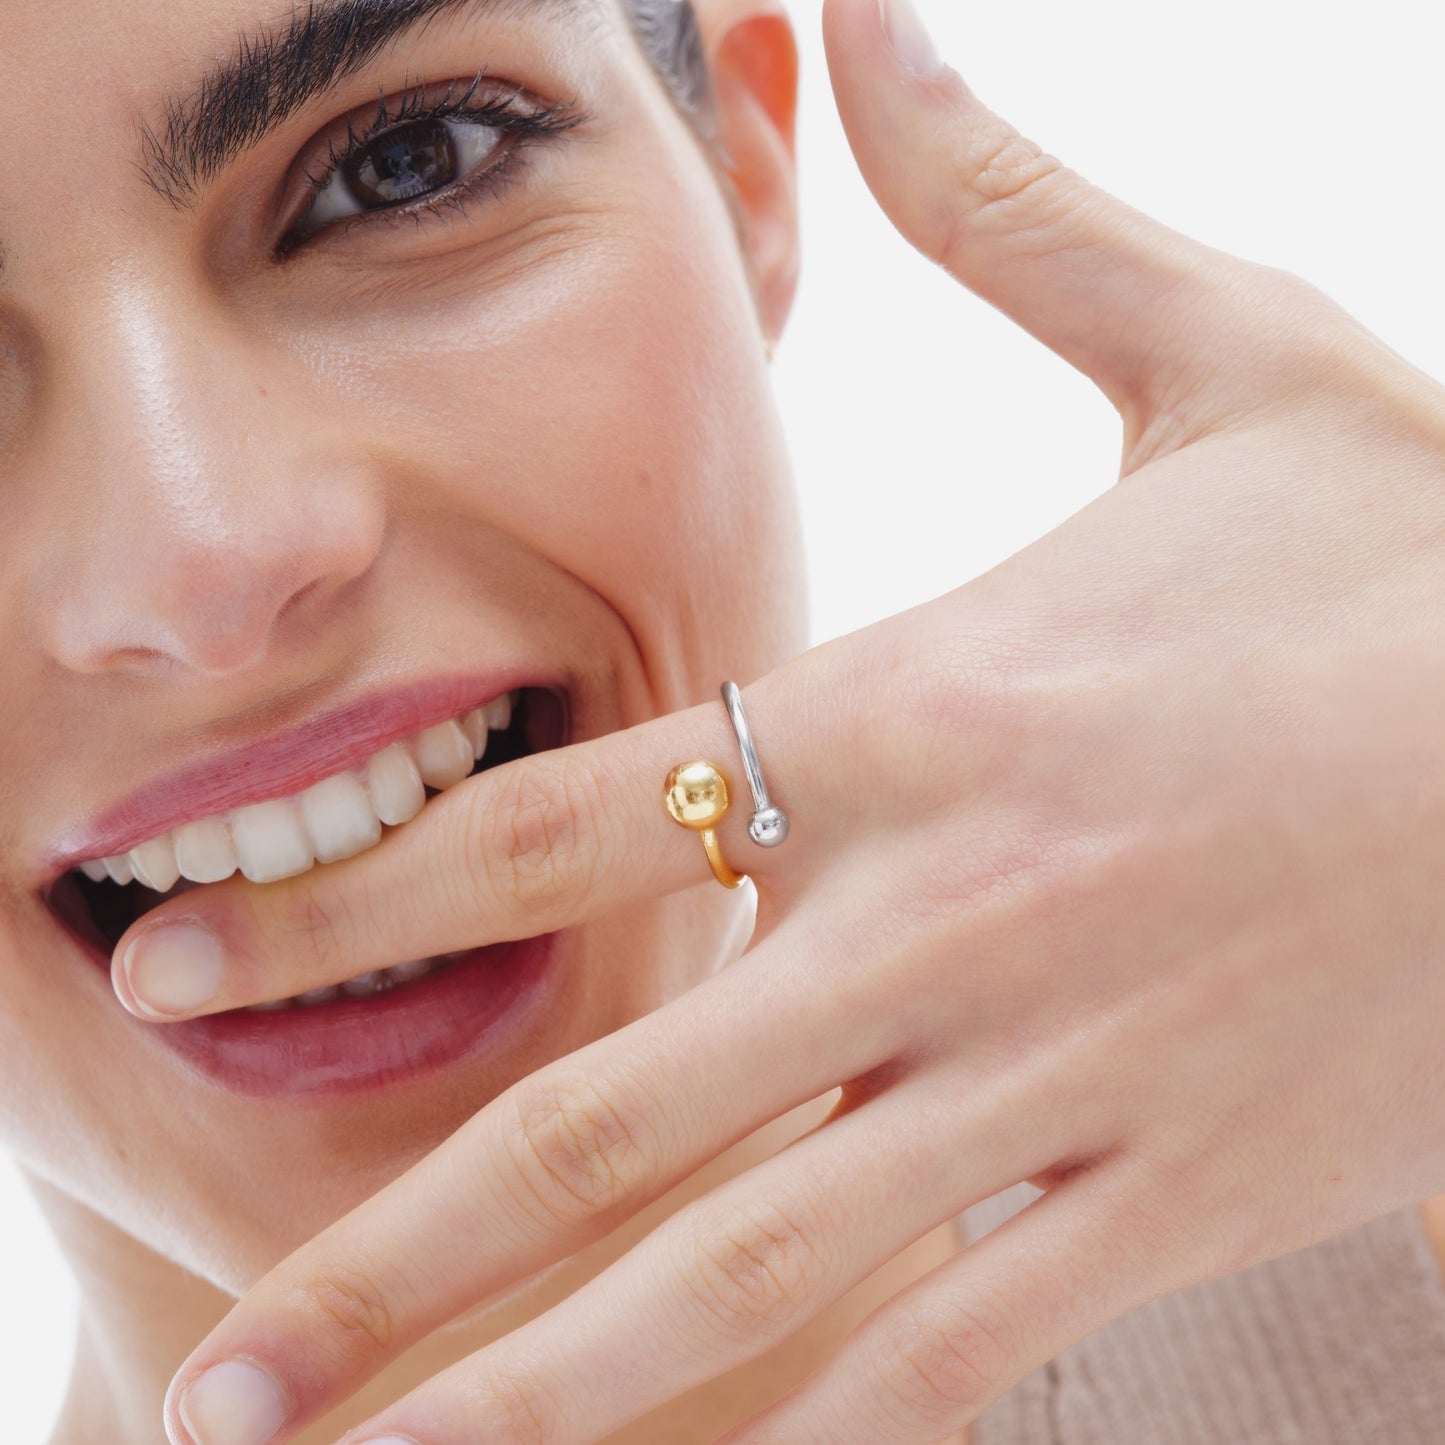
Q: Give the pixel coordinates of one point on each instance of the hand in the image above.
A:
(1117, 870)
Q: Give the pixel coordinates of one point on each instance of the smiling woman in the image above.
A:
(391, 476)
(375, 354)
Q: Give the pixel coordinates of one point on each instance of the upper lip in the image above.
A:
(281, 763)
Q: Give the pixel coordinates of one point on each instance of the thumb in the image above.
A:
(1120, 296)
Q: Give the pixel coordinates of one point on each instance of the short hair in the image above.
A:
(668, 33)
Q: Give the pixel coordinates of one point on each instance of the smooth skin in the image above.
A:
(1132, 891)
(236, 492)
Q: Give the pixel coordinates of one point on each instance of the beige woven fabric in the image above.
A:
(1342, 1343)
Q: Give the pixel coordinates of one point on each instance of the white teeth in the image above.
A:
(204, 851)
(362, 983)
(474, 725)
(119, 868)
(499, 711)
(396, 788)
(443, 755)
(335, 818)
(413, 968)
(270, 841)
(339, 818)
(154, 863)
(376, 980)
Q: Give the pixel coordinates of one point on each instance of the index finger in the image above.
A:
(514, 852)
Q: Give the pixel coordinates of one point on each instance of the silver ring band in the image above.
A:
(769, 824)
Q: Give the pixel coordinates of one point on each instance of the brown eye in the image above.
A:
(420, 157)
(407, 162)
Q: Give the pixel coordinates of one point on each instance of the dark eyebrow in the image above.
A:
(275, 73)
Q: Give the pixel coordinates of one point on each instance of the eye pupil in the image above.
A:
(409, 161)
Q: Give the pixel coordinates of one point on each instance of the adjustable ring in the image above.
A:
(769, 824)
(696, 795)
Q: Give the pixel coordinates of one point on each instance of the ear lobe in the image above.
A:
(753, 60)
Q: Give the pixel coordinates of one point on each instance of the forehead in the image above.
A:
(172, 36)
(190, 86)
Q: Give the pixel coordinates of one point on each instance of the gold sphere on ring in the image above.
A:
(696, 795)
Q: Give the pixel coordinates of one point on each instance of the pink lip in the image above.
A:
(463, 1013)
(481, 1005)
(284, 763)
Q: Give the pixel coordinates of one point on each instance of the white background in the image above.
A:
(931, 437)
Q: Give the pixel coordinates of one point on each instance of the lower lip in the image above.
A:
(470, 1008)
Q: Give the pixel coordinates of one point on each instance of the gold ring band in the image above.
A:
(696, 795)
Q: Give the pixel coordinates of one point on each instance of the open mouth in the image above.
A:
(97, 911)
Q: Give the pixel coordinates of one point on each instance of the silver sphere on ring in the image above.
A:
(768, 827)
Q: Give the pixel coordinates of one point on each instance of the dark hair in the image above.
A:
(667, 31)
(668, 34)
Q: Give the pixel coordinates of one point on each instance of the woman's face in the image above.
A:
(266, 449)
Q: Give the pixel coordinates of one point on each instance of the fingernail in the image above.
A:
(911, 42)
(234, 1403)
(172, 969)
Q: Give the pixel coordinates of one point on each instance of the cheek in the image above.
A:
(606, 404)
(31, 1036)
(56, 1060)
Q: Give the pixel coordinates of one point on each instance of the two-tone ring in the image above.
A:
(696, 795)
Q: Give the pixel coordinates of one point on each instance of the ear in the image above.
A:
(752, 56)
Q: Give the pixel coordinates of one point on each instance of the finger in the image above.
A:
(513, 852)
(729, 1277)
(930, 1360)
(1122, 297)
(558, 1160)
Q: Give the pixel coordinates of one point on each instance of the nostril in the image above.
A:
(296, 599)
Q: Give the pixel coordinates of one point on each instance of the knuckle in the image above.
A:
(355, 1311)
(753, 1269)
(975, 722)
(976, 686)
(1169, 1197)
(1290, 342)
(582, 1147)
(1000, 177)
(515, 1408)
(1278, 299)
(537, 836)
(1000, 164)
(951, 1360)
(323, 925)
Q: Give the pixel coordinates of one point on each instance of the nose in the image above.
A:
(200, 510)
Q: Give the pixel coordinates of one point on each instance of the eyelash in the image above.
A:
(410, 106)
